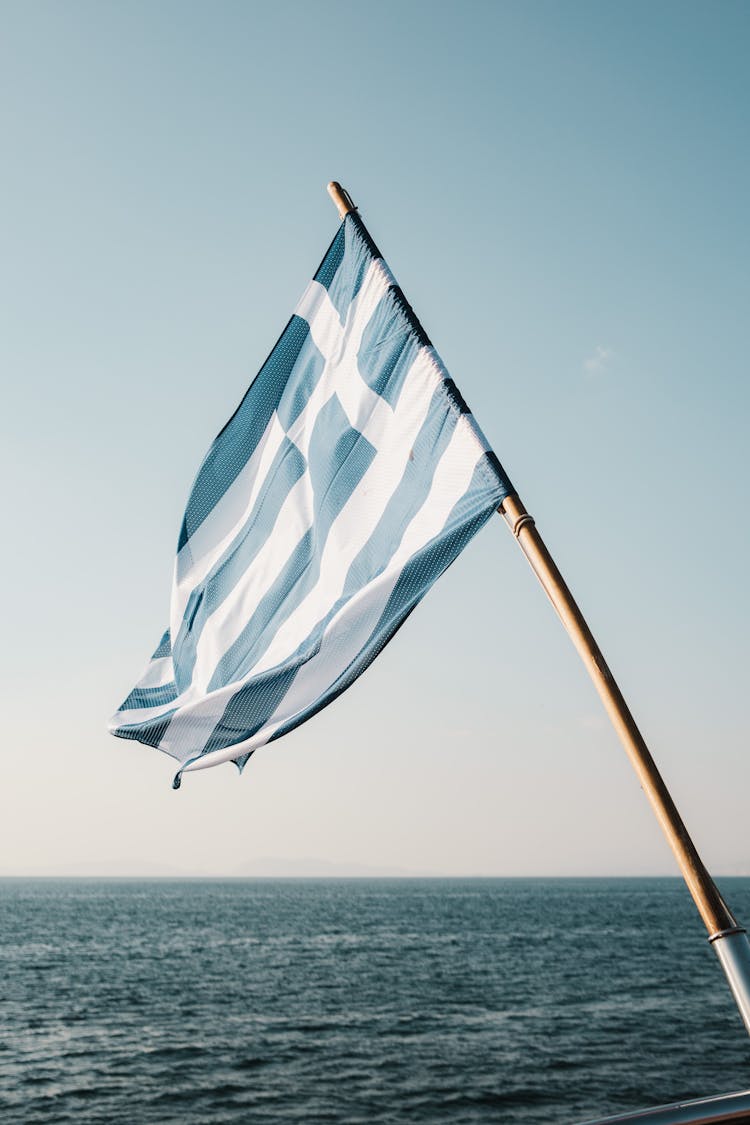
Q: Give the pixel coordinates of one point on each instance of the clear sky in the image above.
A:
(562, 191)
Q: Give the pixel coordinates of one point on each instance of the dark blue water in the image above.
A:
(349, 1001)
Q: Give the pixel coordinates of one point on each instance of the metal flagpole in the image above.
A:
(728, 938)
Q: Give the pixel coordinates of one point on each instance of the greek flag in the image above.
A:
(348, 479)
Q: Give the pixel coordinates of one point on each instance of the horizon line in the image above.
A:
(312, 877)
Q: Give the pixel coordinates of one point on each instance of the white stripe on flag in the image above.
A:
(208, 542)
(159, 672)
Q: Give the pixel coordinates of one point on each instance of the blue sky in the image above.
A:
(561, 191)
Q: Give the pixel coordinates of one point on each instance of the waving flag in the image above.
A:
(350, 477)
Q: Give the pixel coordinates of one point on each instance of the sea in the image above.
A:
(210, 1002)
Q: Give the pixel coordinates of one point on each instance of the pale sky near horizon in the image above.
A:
(561, 191)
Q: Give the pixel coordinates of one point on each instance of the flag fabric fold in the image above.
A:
(349, 478)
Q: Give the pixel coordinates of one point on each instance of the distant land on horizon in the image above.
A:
(277, 867)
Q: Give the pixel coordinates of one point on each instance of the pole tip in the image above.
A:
(342, 199)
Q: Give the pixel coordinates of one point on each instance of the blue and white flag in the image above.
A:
(349, 478)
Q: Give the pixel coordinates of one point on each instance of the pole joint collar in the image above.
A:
(520, 522)
(726, 933)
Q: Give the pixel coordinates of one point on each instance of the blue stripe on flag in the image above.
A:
(387, 351)
(346, 283)
(250, 708)
(236, 443)
(333, 258)
(307, 370)
(150, 697)
(164, 648)
(150, 732)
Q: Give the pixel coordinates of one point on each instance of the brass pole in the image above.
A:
(715, 913)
